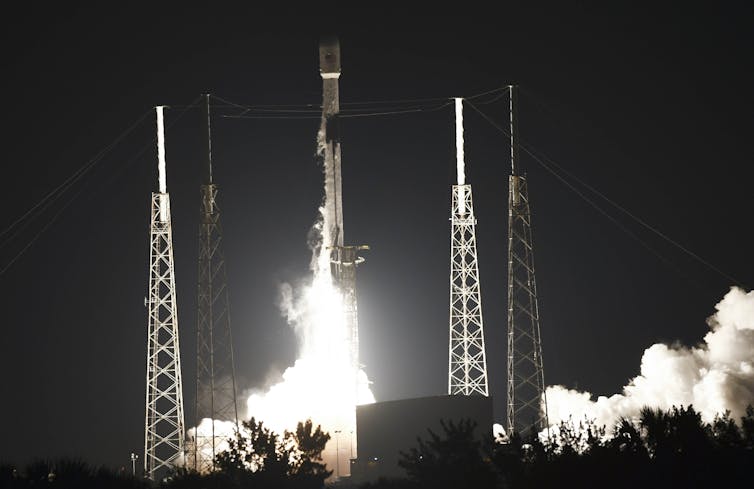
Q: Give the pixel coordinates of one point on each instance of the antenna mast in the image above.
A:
(467, 365)
(164, 423)
(526, 404)
(215, 372)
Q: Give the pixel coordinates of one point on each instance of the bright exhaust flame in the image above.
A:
(322, 384)
(715, 376)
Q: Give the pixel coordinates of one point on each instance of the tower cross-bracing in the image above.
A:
(215, 374)
(467, 369)
(526, 404)
(164, 422)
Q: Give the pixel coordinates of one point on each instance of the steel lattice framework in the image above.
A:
(215, 375)
(164, 427)
(527, 404)
(467, 372)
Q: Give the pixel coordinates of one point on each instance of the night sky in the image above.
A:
(652, 107)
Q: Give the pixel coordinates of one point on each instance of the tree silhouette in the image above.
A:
(454, 460)
(65, 473)
(258, 457)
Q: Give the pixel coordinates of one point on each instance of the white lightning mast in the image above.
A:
(164, 423)
(467, 365)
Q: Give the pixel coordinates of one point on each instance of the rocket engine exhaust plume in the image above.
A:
(320, 384)
(324, 384)
(715, 376)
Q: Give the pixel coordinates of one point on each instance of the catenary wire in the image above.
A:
(533, 153)
(73, 198)
(356, 105)
(77, 175)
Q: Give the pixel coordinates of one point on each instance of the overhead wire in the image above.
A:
(372, 108)
(77, 175)
(63, 188)
(342, 116)
(540, 158)
(277, 111)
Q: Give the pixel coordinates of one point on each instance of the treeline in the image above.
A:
(67, 473)
(257, 458)
(659, 450)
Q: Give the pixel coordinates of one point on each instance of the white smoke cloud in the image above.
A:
(323, 384)
(200, 439)
(714, 376)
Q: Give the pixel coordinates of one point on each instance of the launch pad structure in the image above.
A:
(526, 407)
(165, 445)
(164, 429)
(215, 371)
(467, 364)
(526, 402)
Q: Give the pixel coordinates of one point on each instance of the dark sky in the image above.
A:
(652, 107)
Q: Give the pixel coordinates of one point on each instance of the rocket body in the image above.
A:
(329, 142)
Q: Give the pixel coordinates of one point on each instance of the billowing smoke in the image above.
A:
(714, 376)
(322, 385)
(201, 446)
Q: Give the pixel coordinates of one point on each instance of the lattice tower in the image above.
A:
(164, 423)
(526, 403)
(467, 369)
(215, 374)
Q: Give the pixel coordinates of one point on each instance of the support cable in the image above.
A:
(57, 193)
(539, 157)
(361, 109)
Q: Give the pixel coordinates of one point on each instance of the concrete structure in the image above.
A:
(387, 428)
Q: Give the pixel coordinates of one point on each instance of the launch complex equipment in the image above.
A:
(164, 423)
(526, 409)
(467, 365)
(215, 372)
(527, 405)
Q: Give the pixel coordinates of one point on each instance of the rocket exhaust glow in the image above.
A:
(326, 382)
